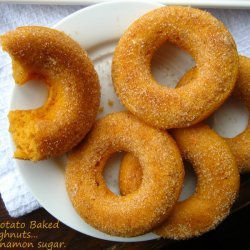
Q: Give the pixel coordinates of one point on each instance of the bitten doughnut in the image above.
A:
(240, 144)
(74, 91)
(200, 34)
(217, 183)
(162, 179)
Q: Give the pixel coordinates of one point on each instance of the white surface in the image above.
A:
(237, 21)
(232, 112)
(200, 3)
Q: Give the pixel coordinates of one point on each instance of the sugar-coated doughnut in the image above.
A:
(161, 183)
(74, 91)
(200, 34)
(240, 144)
(217, 183)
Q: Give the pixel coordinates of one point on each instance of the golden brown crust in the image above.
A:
(217, 183)
(193, 30)
(240, 144)
(74, 91)
(139, 212)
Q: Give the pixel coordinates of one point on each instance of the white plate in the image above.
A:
(199, 3)
(97, 29)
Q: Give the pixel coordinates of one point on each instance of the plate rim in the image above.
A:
(232, 4)
(16, 161)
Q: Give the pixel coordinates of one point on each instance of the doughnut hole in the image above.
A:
(169, 64)
(131, 177)
(190, 181)
(111, 172)
(231, 119)
(37, 91)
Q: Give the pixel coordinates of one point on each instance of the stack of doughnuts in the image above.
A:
(161, 127)
(179, 111)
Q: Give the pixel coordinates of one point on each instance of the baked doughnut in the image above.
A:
(217, 183)
(74, 91)
(201, 35)
(162, 180)
(240, 144)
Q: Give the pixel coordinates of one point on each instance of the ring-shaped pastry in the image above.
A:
(197, 32)
(74, 91)
(217, 183)
(162, 180)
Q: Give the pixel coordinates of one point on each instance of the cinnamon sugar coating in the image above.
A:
(217, 183)
(240, 144)
(74, 91)
(204, 37)
(162, 180)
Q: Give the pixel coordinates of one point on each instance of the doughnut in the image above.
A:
(200, 34)
(74, 91)
(162, 168)
(240, 144)
(217, 183)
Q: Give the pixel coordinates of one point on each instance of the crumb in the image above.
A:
(110, 103)
(101, 109)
